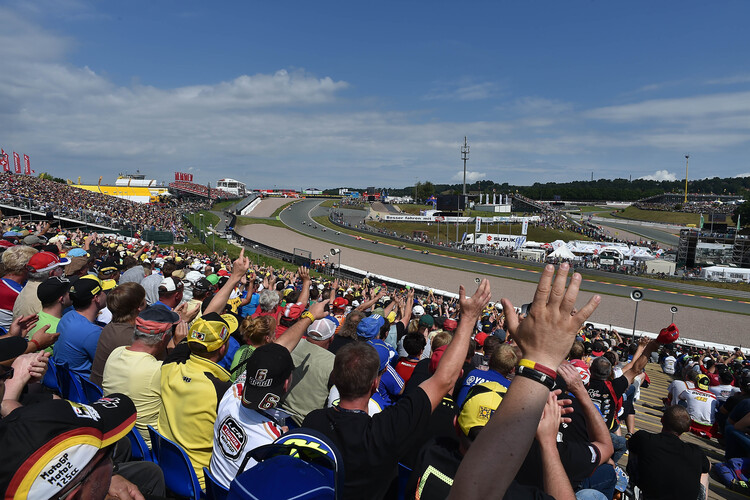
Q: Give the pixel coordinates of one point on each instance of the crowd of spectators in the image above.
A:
(62, 200)
(231, 360)
(693, 207)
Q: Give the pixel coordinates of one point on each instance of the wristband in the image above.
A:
(308, 315)
(535, 375)
(540, 368)
(38, 347)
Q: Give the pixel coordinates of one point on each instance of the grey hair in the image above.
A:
(147, 338)
(32, 276)
(268, 300)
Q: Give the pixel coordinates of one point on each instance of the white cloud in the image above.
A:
(729, 80)
(746, 174)
(471, 177)
(463, 89)
(660, 175)
(676, 109)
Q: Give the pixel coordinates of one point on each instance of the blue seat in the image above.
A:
(214, 489)
(179, 475)
(154, 435)
(138, 447)
(92, 391)
(50, 376)
(69, 384)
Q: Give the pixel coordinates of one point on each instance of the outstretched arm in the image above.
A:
(219, 301)
(545, 337)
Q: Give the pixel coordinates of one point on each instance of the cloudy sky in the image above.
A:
(324, 94)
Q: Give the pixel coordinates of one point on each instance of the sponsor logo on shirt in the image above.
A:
(231, 438)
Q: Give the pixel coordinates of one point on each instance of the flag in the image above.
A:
(4, 161)
(701, 224)
(738, 222)
(525, 227)
(17, 162)
(177, 176)
(27, 165)
(478, 226)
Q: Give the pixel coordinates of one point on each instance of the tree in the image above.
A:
(743, 212)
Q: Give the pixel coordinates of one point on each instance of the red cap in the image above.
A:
(6, 244)
(668, 335)
(450, 324)
(583, 370)
(480, 338)
(45, 261)
(435, 358)
(340, 302)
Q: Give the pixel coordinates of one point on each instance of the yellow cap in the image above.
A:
(481, 402)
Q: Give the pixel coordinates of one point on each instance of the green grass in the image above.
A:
(681, 218)
(592, 208)
(223, 205)
(322, 220)
(247, 221)
(281, 208)
(209, 219)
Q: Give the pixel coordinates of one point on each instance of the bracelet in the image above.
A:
(540, 368)
(535, 375)
(308, 315)
(38, 347)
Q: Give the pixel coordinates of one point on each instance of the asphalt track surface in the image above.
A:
(711, 324)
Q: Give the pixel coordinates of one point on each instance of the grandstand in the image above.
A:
(185, 188)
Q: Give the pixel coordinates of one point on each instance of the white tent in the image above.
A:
(720, 273)
(562, 253)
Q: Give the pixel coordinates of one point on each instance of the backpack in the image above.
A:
(733, 474)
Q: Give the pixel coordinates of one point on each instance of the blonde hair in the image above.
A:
(256, 331)
(16, 258)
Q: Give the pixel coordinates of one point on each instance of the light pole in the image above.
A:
(200, 227)
(337, 251)
(687, 158)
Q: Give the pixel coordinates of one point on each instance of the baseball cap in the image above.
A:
(306, 455)
(202, 284)
(598, 348)
(156, 319)
(668, 335)
(267, 370)
(213, 279)
(487, 325)
(321, 329)
(86, 287)
(6, 244)
(293, 311)
(426, 320)
(450, 324)
(170, 284)
(481, 402)
(46, 444)
(32, 240)
(45, 261)
(78, 252)
(583, 370)
(369, 327)
(76, 264)
(212, 330)
(109, 266)
(340, 302)
(702, 381)
(480, 338)
(52, 289)
(417, 311)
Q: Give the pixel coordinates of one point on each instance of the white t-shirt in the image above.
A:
(238, 430)
(701, 405)
(668, 365)
(722, 392)
(374, 406)
(676, 388)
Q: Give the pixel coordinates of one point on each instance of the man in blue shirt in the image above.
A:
(502, 364)
(78, 331)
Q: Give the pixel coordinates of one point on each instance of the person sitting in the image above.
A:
(701, 406)
(501, 366)
(665, 467)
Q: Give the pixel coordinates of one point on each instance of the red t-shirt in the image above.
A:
(405, 367)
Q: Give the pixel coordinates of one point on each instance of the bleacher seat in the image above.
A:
(179, 475)
(214, 490)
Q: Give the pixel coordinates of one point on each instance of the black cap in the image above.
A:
(52, 289)
(267, 370)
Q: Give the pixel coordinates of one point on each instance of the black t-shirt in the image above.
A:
(578, 458)
(602, 397)
(436, 467)
(576, 429)
(664, 466)
(338, 342)
(440, 425)
(371, 446)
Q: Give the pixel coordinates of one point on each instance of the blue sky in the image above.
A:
(327, 94)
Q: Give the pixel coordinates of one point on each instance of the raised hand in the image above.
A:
(548, 331)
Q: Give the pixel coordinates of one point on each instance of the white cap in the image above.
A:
(321, 329)
(417, 311)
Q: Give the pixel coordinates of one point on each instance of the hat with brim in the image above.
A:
(86, 287)
(42, 262)
(47, 444)
(52, 289)
(369, 327)
(480, 404)
(267, 371)
(212, 330)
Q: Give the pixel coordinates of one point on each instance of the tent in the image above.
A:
(563, 253)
